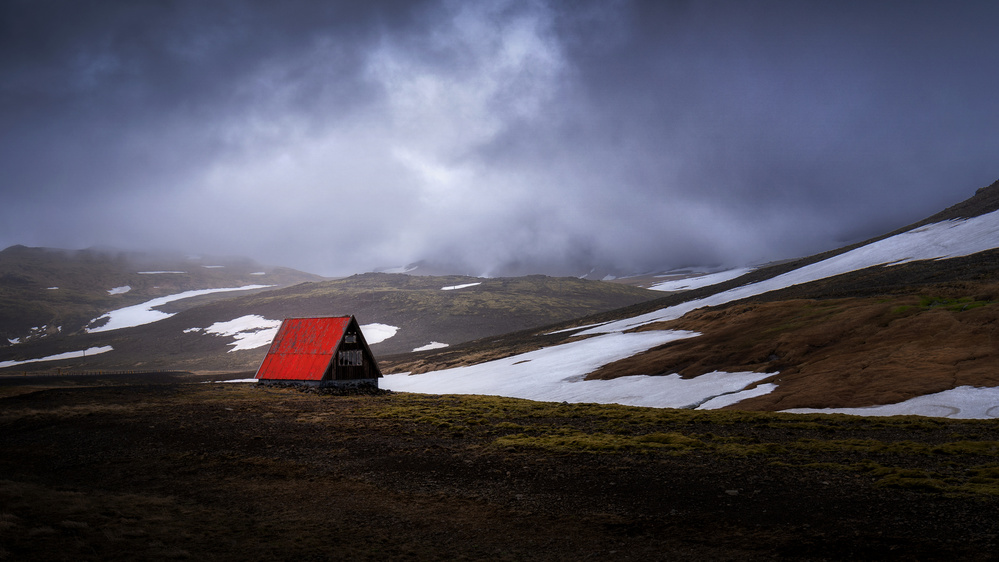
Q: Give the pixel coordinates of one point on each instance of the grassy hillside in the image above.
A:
(875, 336)
(418, 306)
(846, 352)
(424, 312)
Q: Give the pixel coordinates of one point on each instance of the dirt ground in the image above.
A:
(117, 471)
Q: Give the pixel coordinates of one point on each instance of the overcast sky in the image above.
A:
(340, 137)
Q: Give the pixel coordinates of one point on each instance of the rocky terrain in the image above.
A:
(103, 468)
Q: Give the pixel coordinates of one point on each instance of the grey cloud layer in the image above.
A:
(546, 136)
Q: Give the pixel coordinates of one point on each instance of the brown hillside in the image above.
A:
(848, 352)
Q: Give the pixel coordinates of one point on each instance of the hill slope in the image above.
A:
(933, 287)
(45, 291)
(400, 312)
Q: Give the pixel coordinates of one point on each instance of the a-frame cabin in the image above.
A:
(324, 351)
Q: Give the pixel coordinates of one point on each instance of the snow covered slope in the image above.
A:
(557, 373)
(948, 239)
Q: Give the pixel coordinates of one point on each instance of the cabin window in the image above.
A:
(351, 338)
(350, 358)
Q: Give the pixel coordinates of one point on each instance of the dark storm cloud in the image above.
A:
(531, 136)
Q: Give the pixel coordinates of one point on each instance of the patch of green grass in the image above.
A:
(954, 305)
(937, 455)
(576, 441)
(982, 480)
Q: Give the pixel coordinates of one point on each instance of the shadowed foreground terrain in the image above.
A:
(120, 471)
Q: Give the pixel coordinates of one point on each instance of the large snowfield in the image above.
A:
(556, 373)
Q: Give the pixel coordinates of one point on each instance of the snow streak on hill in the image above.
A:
(942, 240)
(557, 373)
(146, 313)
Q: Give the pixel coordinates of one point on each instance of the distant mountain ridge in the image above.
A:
(49, 291)
(414, 312)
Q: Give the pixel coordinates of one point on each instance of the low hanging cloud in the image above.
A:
(494, 137)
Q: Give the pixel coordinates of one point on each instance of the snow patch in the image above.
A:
(144, 313)
(67, 355)
(455, 287)
(377, 333)
(557, 374)
(431, 345)
(697, 281)
(250, 331)
(119, 290)
(564, 330)
(157, 272)
(52, 288)
(963, 402)
(729, 398)
(213, 266)
(259, 273)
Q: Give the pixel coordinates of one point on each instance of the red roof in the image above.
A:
(303, 348)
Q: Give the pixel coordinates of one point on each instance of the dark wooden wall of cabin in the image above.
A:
(367, 370)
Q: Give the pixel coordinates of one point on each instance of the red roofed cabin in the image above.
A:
(325, 351)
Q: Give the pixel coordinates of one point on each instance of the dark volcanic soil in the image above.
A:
(235, 472)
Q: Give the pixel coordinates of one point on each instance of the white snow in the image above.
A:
(52, 288)
(144, 313)
(157, 272)
(213, 266)
(556, 374)
(573, 329)
(67, 355)
(402, 269)
(119, 290)
(259, 273)
(947, 239)
(963, 402)
(723, 400)
(250, 331)
(703, 280)
(465, 286)
(34, 333)
(376, 333)
(431, 345)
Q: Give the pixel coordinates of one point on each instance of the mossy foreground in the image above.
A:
(237, 472)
